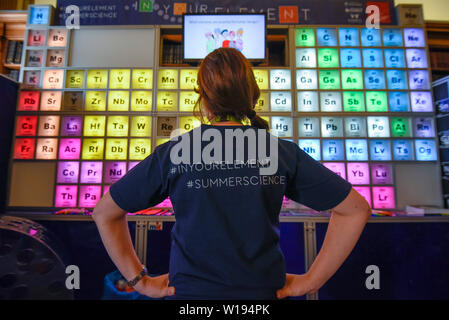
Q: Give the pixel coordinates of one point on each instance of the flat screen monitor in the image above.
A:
(203, 33)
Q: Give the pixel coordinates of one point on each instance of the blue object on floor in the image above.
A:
(110, 292)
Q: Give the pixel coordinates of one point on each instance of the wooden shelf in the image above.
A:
(12, 66)
(12, 28)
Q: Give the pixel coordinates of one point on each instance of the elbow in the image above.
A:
(366, 210)
(95, 214)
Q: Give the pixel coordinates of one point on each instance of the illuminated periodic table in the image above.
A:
(356, 99)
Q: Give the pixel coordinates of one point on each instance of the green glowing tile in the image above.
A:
(353, 101)
(305, 37)
(329, 79)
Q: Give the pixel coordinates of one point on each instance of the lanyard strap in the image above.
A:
(226, 118)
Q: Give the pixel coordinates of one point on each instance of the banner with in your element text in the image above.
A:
(166, 12)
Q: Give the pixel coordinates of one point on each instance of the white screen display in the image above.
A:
(205, 33)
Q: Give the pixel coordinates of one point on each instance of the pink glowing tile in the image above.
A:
(91, 172)
(365, 192)
(288, 203)
(382, 174)
(383, 198)
(114, 171)
(106, 189)
(89, 196)
(69, 149)
(358, 173)
(337, 167)
(166, 203)
(65, 196)
(132, 164)
(68, 172)
(36, 38)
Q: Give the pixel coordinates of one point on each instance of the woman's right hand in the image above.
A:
(155, 287)
(296, 285)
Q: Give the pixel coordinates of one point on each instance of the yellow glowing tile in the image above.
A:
(167, 101)
(267, 119)
(118, 126)
(119, 78)
(93, 149)
(141, 126)
(141, 100)
(46, 149)
(74, 79)
(262, 78)
(188, 79)
(187, 100)
(118, 101)
(263, 102)
(246, 122)
(97, 79)
(51, 100)
(139, 149)
(143, 79)
(167, 79)
(94, 126)
(95, 100)
(189, 123)
(161, 141)
(53, 79)
(116, 149)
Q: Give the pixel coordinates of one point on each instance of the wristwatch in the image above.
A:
(142, 274)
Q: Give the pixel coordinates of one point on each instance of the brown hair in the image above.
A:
(227, 86)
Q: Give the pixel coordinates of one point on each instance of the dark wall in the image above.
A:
(412, 259)
(8, 99)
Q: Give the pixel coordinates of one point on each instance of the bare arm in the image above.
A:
(345, 226)
(113, 227)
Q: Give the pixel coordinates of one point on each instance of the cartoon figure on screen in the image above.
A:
(239, 41)
(226, 41)
(217, 34)
(232, 42)
(210, 43)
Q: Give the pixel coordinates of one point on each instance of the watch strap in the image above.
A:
(142, 274)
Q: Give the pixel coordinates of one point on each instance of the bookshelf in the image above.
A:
(438, 41)
(12, 33)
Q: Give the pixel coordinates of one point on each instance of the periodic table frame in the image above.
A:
(294, 114)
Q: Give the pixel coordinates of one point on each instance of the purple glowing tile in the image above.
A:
(68, 172)
(114, 171)
(91, 172)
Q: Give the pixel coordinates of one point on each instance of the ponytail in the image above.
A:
(257, 121)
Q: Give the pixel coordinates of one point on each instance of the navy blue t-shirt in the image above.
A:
(225, 242)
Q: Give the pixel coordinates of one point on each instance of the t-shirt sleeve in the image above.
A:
(142, 187)
(314, 185)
